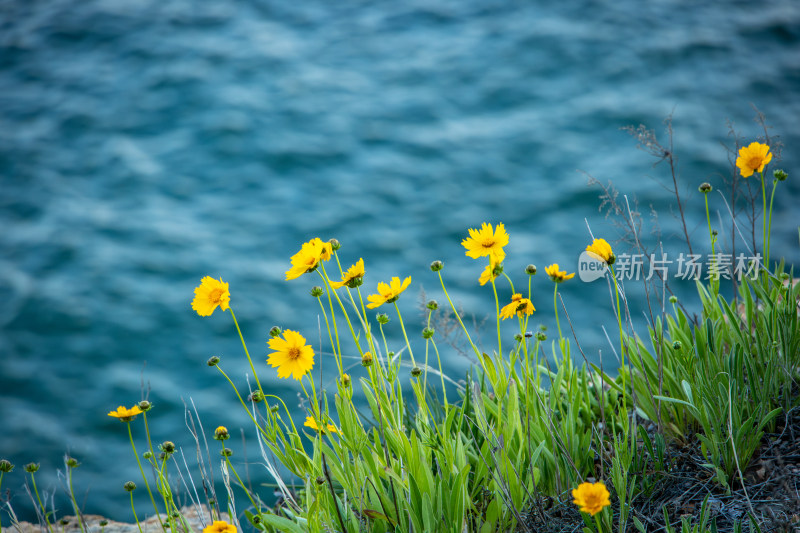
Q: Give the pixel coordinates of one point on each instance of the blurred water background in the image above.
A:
(145, 144)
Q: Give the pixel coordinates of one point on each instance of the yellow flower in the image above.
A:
(753, 158)
(387, 293)
(558, 275)
(491, 271)
(220, 527)
(351, 278)
(210, 294)
(519, 306)
(124, 414)
(310, 422)
(591, 497)
(602, 251)
(308, 258)
(486, 241)
(292, 356)
(221, 433)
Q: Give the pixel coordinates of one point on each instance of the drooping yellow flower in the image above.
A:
(602, 251)
(486, 241)
(292, 356)
(351, 278)
(220, 526)
(124, 414)
(519, 306)
(308, 258)
(558, 275)
(753, 158)
(210, 294)
(387, 293)
(492, 270)
(310, 422)
(591, 497)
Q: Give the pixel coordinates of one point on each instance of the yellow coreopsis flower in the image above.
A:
(753, 158)
(292, 356)
(220, 526)
(387, 293)
(351, 278)
(557, 275)
(486, 241)
(210, 294)
(124, 414)
(591, 497)
(519, 306)
(492, 270)
(602, 250)
(308, 258)
(311, 423)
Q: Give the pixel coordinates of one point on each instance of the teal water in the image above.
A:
(145, 144)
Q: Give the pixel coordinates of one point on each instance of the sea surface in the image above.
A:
(145, 144)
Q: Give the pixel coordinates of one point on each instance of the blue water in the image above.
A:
(145, 144)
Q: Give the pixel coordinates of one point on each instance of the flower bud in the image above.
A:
(6, 466)
(274, 331)
(145, 406)
(274, 409)
(346, 380)
(130, 486)
(167, 446)
(63, 522)
(705, 188)
(31, 467)
(221, 433)
(780, 174)
(256, 519)
(335, 244)
(530, 270)
(518, 337)
(436, 266)
(541, 336)
(611, 259)
(226, 452)
(416, 371)
(103, 523)
(390, 355)
(714, 233)
(383, 318)
(673, 299)
(320, 480)
(256, 396)
(72, 462)
(316, 291)
(676, 345)
(528, 334)
(366, 359)
(213, 361)
(147, 455)
(433, 305)
(427, 333)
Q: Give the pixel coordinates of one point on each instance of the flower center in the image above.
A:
(293, 353)
(488, 242)
(215, 295)
(754, 162)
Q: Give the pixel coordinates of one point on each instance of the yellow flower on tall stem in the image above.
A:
(209, 295)
(753, 158)
(220, 526)
(591, 497)
(519, 306)
(124, 414)
(388, 293)
(602, 250)
(486, 241)
(557, 275)
(352, 278)
(311, 423)
(292, 356)
(308, 258)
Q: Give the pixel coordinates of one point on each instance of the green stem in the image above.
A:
(44, 509)
(146, 484)
(1, 485)
(134, 513)
(72, 497)
(458, 317)
(402, 327)
(247, 492)
(246, 352)
(555, 308)
(769, 225)
(497, 316)
(764, 216)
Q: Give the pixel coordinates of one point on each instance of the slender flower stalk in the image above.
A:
(246, 352)
(497, 317)
(144, 477)
(458, 317)
(32, 468)
(405, 335)
(71, 464)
